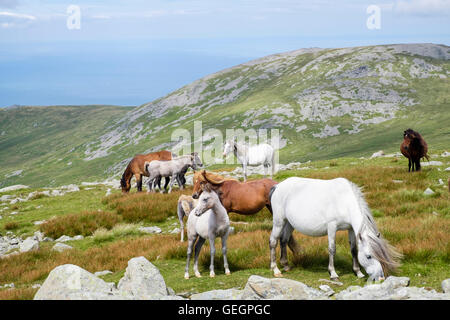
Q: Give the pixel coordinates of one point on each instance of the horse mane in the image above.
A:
(382, 251)
(215, 178)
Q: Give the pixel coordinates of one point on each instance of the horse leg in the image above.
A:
(409, 164)
(292, 244)
(266, 168)
(224, 253)
(189, 252)
(332, 250)
(354, 250)
(277, 228)
(198, 247)
(244, 166)
(180, 184)
(166, 183)
(285, 237)
(138, 182)
(418, 164)
(171, 183)
(212, 248)
(180, 212)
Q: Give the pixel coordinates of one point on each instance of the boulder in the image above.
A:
(377, 154)
(64, 238)
(230, 294)
(39, 236)
(30, 244)
(70, 282)
(60, 247)
(142, 280)
(428, 192)
(258, 288)
(150, 229)
(393, 288)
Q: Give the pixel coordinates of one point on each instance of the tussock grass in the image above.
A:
(18, 294)
(84, 223)
(147, 207)
(11, 225)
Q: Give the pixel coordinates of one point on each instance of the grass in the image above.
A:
(416, 224)
(84, 223)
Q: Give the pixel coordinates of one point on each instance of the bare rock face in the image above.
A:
(258, 288)
(70, 282)
(142, 280)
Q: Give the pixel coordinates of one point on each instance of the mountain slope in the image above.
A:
(327, 103)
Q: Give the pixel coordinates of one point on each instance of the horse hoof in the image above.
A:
(186, 276)
(334, 278)
(198, 275)
(228, 273)
(212, 275)
(360, 275)
(278, 275)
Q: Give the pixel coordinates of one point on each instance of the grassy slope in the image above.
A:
(416, 224)
(41, 141)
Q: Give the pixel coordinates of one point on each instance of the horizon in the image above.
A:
(131, 54)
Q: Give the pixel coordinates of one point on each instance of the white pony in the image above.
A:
(251, 155)
(208, 220)
(321, 207)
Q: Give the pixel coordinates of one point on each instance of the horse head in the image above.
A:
(207, 199)
(201, 178)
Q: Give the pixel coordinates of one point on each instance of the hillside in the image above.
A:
(42, 146)
(327, 103)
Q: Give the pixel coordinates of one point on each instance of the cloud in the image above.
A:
(423, 7)
(11, 19)
(10, 4)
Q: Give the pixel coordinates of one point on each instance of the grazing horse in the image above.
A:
(245, 198)
(136, 168)
(208, 220)
(414, 148)
(171, 168)
(321, 207)
(185, 205)
(251, 155)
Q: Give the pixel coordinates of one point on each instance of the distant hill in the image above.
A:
(327, 103)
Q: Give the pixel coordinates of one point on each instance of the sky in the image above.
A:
(130, 52)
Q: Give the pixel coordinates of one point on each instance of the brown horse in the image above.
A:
(136, 168)
(414, 148)
(245, 198)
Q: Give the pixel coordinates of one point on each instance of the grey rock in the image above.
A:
(428, 192)
(327, 289)
(142, 280)
(230, 294)
(37, 223)
(395, 282)
(60, 247)
(446, 286)
(79, 237)
(39, 236)
(64, 238)
(70, 282)
(150, 230)
(263, 288)
(30, 244)
(378, 154)
(48, 239)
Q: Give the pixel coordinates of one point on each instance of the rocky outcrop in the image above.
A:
(142, 281)
(393, 288)
(229, 294)
(258, 288)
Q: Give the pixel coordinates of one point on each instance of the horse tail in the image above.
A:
(272, 190)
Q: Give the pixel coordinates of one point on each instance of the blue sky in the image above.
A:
(134, 51)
